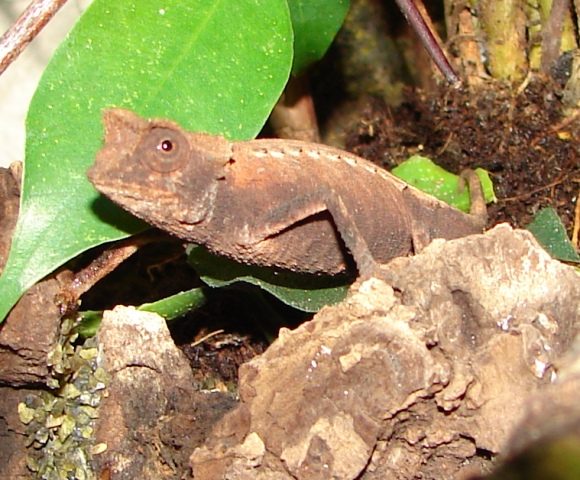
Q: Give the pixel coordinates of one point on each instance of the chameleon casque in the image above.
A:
(282, 203)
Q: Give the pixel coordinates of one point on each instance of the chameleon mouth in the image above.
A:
(125, 191)
(105, 174)
(123, 129)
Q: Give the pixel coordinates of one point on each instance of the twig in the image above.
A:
(208, 336)
(25, 29)
(82, 281)
(558, 180)
(447, 143)
(469, 51)
(576, 228)
(294, 115)
(414, 17)
(522, 88)
(551, 34)
(556, 128)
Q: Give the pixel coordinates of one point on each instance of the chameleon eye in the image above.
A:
(165, 146)
(163, 150)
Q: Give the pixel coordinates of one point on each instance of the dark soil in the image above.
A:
(218, 337)
(521, 139)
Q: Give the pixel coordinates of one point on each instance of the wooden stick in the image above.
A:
(25, 29)
(414, 17)
(552, 33)
(576, 228)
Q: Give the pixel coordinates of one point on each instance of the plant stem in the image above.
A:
(552, 33)
(25, 29)
(414, 17)
(294, 115)
(504, 26)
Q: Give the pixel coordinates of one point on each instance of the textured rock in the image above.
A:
(148, 397)
(412, 377)
(30, 331)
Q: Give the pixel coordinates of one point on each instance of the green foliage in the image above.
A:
(422, 173)
(551, 234)
(308, 293)
(315, 24)
(169, 308)
(212, 66)
(176, 305)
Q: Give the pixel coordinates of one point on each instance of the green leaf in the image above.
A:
(212, 66)
(169, 308)
(89, 323)
(551, 234)
(430, 178)
(315, 24)
(176, 305)
(308, 293)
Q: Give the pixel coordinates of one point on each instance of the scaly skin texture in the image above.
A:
(282, 203)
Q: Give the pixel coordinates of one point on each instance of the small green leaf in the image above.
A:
(176, 305)
(89, 323)
(213, 66)
(430, 178)
(551, 234)
(308, 293)
(315, 24)
(169, 308)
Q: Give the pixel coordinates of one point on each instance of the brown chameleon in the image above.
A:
(282, 203)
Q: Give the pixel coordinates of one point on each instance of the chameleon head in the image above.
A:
(154, 169)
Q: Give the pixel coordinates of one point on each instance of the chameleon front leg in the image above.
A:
(301, 208)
